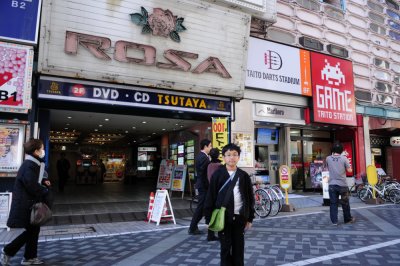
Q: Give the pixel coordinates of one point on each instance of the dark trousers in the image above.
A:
(198, 213)
(334, 192)
(232, 242)
(29, 238)
(62, 180)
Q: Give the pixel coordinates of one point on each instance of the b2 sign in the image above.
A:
(333, 90)
(19, 20)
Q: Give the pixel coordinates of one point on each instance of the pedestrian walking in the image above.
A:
(28, 190)
(63, 166)
(239, 215)
(337, 165)
(201, 184)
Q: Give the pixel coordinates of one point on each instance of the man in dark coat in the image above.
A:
(27, 191)
(201, 163)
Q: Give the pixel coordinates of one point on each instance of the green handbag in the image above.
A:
(217, 221)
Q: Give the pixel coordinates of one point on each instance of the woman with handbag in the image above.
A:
(231, 190)
(28, 190)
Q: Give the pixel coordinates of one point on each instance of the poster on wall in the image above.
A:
(5, 206)
(316, 174)
(245, 142)
(333, 90)
(179, 178)
(11, 147)
(16, 63)
(165, 174)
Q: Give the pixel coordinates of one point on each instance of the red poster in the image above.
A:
(348, 152)
(333, 90)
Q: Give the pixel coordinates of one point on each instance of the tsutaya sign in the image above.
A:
(100, 42)
(333, 90)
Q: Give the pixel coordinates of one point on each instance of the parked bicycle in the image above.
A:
(387, 192)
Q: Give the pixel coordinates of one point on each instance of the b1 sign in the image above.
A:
(333, 90)
(19, 20)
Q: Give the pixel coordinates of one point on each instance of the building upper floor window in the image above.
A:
(309, 4)
(381, 63)
(393, 14)
(392, 4)
(394, 25)
(375, 6)
(383, 87)
(394, 35)
(396, 79)
(337, 3)
(376, 17)
(378, 29)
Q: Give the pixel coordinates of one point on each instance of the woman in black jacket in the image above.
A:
(28, 189)
(239, 212)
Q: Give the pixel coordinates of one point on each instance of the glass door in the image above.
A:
(296, 151)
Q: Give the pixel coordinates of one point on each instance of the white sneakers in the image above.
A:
(4, 258)
(34, 261)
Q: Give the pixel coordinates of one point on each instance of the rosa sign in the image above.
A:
(333, 90)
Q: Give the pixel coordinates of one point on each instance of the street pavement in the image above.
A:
(304, 237)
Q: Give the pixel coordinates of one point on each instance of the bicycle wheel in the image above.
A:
(263, 203)
(365, 194)
(193, 204)
(278, 191)
(394, 196)
(276, 202)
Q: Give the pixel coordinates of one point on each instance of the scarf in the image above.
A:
(41, 164)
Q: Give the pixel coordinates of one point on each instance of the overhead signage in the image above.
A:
(16, 63)
(278, 111)
(147, 148)
(277, 67)
(121, 53)
(54, 88)
(220, 132)
(395, 141)
(19, 20)
(333, 90)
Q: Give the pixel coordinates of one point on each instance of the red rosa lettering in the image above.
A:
(333, 98)
(99, 46)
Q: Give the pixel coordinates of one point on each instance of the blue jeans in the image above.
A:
(334, 192)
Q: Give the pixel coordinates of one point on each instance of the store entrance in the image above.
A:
(113, 158)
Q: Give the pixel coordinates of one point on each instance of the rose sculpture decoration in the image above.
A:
(160, 23)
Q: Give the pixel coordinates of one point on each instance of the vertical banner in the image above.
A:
(16, 63)
(220, 132)
(333, 90)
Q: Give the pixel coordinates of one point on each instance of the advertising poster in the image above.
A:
(165, 174)
(325, 185)
(333, 90)
(5, 206)
(179, 178)
(245, 142)
(316, 174)
(11, 147)
(16, 63)
(277, 67)
(220, 133)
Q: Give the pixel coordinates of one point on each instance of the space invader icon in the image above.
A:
(332, 74)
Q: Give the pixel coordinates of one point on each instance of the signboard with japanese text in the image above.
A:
(162, 204)
(16, 63)
(19, 20)
(220, 133)
(11, 147)
(101, 93)
(165, 174)
(333, 90)
(179, 178)
(285, 177)
(5, 206)
(245, 142)
(276, 67)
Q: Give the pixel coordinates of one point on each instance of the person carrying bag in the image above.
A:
(229, 206)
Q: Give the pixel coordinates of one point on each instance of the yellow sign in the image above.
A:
(372, 175)
(219, 132)
(285, 176)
